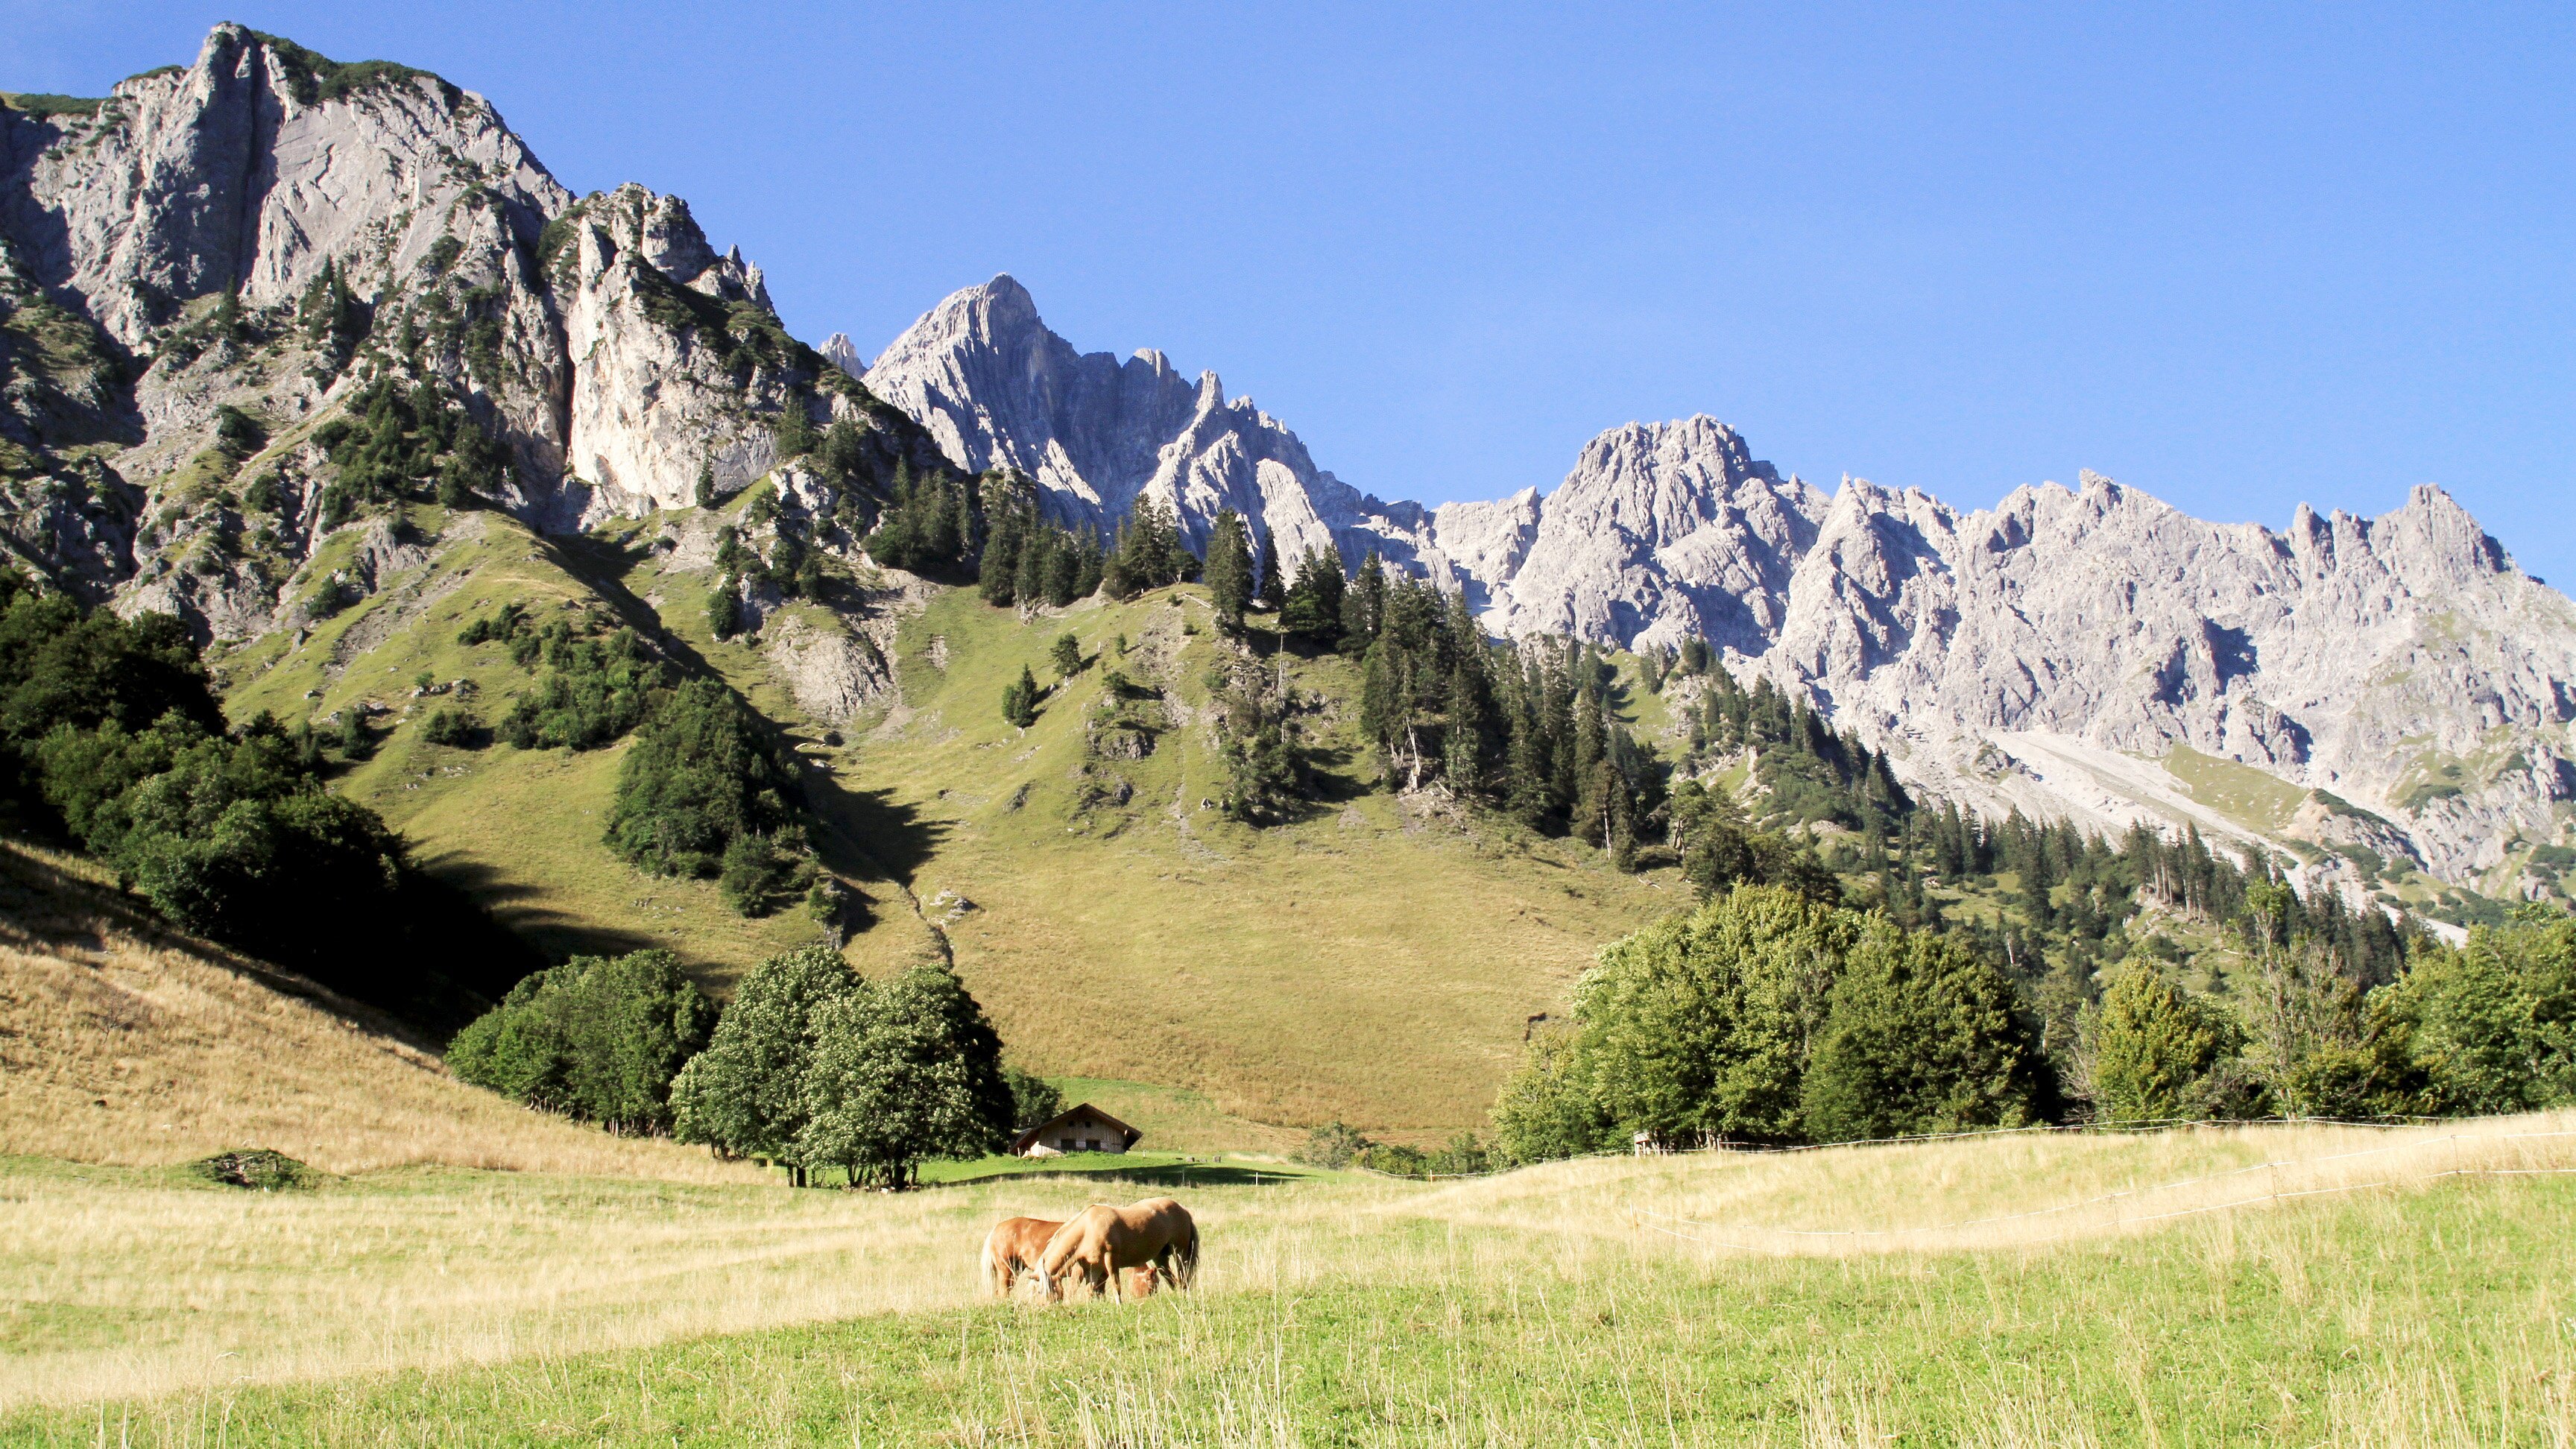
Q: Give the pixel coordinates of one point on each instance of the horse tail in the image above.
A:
(1189, 1258)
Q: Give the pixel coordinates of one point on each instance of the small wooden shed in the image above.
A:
(1081, 1128)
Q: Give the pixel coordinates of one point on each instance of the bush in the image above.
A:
(1394, 1160)
(593, 691)
(259, 1169)
(597, 1038)
(1335, 1145)
(724, 610)
(501, 626)
(756, 875)
(456, 728)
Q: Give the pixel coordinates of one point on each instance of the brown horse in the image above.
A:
(1102, 1243)
(1012, 1249)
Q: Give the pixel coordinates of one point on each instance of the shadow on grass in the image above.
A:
(1163, 1174)
(556, 934)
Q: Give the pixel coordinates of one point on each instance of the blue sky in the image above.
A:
(2236, 256)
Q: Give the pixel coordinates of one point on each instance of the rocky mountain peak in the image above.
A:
(233, 173)
(842, 353)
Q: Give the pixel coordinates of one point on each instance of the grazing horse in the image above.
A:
(1102, 1243)
(1012, 1249)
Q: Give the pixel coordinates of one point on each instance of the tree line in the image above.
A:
(1769, 1016)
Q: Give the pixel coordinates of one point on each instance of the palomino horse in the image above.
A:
(1012, 1249)
(1102, 1243)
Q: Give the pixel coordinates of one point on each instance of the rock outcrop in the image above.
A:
(1661, 532)
(2358, 658)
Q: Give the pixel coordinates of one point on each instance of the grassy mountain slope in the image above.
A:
(1373, 961)
(123, 1042)
(518, 829)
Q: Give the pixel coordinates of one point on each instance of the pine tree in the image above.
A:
(1273, 589)
(2155, 1049)
(724, 608)
(794, 432)
(1066, 656)
(1313, 611)
(1030, 579)
(1229, 570)
(997, 572)
(1592, 782)
(1020, 700)
(1364, 604)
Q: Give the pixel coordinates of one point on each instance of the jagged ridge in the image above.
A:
(2047, 654)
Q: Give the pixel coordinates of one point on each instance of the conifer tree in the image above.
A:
(1272, 591)
(794, 432)
(1313, 611)
(1229, 570)
(997, 572)
(1364, 604)
(2155, 1049)
(1020, 700)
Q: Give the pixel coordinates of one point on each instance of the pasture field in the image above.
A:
(2253, 1285)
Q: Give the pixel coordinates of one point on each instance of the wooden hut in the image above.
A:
(1080, 1128)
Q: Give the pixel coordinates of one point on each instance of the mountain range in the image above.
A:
(203, 269)
(2091, 652)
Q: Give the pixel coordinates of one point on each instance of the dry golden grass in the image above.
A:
(2012, 1190)
(121, 1042)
